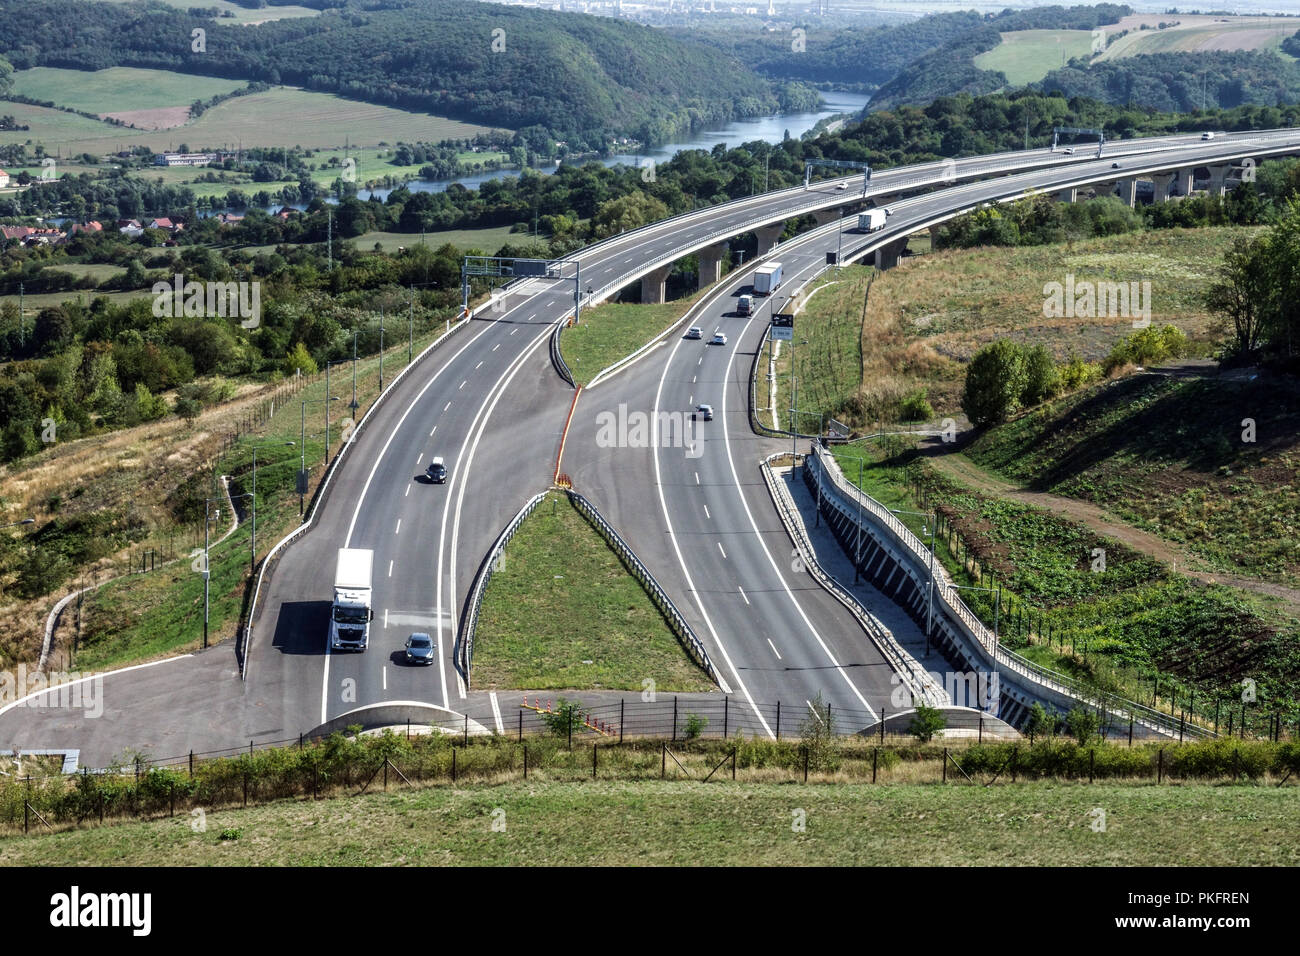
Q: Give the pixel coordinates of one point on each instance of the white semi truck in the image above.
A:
(767, 279)
(351, 612)
(872, 220)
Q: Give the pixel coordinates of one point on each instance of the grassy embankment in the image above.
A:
(590, 627)
(1161, 453)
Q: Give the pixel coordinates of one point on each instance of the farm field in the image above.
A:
(1027, 56)
(284, 116)
(119, 89)
(233, 13)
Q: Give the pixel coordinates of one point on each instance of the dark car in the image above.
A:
(437, 471)
(419, 649)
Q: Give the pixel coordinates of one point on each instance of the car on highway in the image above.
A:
(1114, 166)
(419, 649)
(695, 332)
(703, 411)
(842, 186)
(1207, 136)
(437, 471)
(1069, 151)
(719, 338)
(745, 305)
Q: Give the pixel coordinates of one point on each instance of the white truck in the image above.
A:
(351, 612)
(767, 279)
(872, 220)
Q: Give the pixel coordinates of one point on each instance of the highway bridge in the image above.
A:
(488, 399)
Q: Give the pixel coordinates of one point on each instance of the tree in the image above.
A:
(1037, 722)
(626, 213)
(188, 409)
(817, 734)
(53, 330)
(1042, 380)
(926, 722)
(1082, 724)
(300, 360)
(995, 381)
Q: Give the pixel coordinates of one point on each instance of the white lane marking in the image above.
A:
(701, 361)
(697, 477)
(408, 491)
(419, 458)
(681, 561)
(73, 683)
(462, 384)
(459, 482)
(513, 331)
(434, 429)
(496, 712)
(815, 714)
(694, 378)
(735, 477)
(706, 513)
(742, 593)
(480, 364)
(724, 554)
(444, 408)
(390, 569)
(385, 619)
(495, 347)
(774, 650)
(398, 529)
(384, 669)
(530, 318)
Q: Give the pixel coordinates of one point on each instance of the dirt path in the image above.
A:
(960, 468)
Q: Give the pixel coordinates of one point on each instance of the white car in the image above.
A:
(719, 338)
(695, 332)
(842, 186)
(1207, 136)
(1069, 151)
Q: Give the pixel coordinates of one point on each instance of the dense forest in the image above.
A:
(574, 77)
(1182, 81)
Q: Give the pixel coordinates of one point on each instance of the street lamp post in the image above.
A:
(302, 437)
(381, 348)
(253, 534)
(327, 408)
(353, 406)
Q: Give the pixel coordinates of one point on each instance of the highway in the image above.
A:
(488, 400)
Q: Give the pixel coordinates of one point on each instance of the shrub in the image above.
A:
(695, 725)
(995, 381)
(1082, 724)
(1042, 380)
(915, 407)
(926, 722)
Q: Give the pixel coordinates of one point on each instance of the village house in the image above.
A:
(4, 179)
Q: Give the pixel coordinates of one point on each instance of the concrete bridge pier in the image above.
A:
(1219, 180)
(1067, 195)
(823, 216)
(887, 256)
(654, 286)
(1183, 180)
(768, 235)
(711, 264)
(1162, 182)
(1128, 191)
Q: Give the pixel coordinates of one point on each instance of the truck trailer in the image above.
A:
(351, 612)
(767, 279)
(872, 220)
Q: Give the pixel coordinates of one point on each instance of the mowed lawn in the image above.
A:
(1027, 56)
(563, 612)
(676, 823)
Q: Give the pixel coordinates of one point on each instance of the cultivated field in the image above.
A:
(119, 89)
(1027, 56)
(232, 13)
(284, 116)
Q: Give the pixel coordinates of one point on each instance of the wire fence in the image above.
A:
(573, 744)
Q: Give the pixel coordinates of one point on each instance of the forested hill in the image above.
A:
(577, 77)
(1181, 82)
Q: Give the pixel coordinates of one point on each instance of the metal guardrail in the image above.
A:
(464, 651)
(681, 627)
(917, 679)
(946, 598)
(557, 359)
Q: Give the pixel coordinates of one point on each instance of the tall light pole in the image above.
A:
(327, 408)
(302, 444)
(839, 251)
(929, 602)
(381, 348)
(410, 327)
(794, 405)
(207, 569)
(353, 406)
(252, 565)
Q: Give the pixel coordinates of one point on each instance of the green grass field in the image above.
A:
(119, 88)
(590, 627)
(283, 116)
(614, 330)
(1245, 33)
(676, 823)
(1027, 56)
(242, 14)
